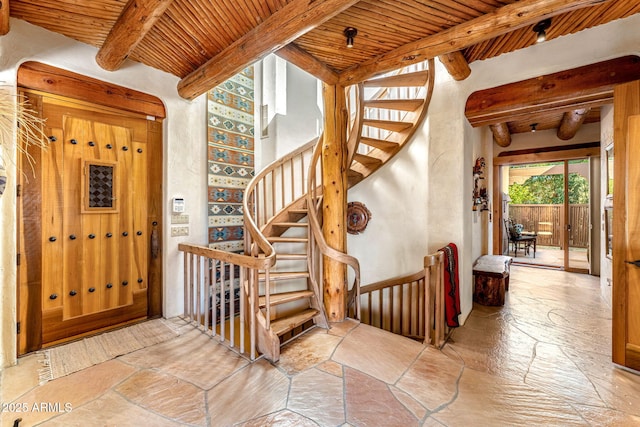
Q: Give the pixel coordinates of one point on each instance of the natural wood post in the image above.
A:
(4, 17)
(334, 183)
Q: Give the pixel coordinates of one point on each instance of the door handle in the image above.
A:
(636, 262)
(155, 240)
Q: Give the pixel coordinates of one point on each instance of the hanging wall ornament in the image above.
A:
(358, 217)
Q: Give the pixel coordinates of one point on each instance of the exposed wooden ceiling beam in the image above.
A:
(309, 63)
(501, 134)
(583, 87)
(56, 81)
(456, 64)
(4, 17)
(571, 122)
(284, 26)
(488, 26)
(135, 21)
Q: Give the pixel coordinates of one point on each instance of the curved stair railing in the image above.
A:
(318, 246)
(383, 123)
(274, 202)
(279, 276)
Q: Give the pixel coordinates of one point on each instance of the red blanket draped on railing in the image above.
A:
(451, 285)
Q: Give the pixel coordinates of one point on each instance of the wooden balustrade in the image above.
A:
(412, 306)
(277, 186)
(220, 293)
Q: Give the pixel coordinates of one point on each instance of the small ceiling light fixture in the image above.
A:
(533, 127)
(541, 29)
(350, 33)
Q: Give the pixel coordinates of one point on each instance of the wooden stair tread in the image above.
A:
(354, 174)
(395, 104)
(282, 256)
(290, 224)
(367, 160)
(284, 275)
(418, 78)
(379, 143)
(284, 297)
(285, 324)
(391, 125)
(280, 239)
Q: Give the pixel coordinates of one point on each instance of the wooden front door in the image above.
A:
(87, 232)
(626, 229)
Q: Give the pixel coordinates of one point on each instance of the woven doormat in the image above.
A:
(73, 357)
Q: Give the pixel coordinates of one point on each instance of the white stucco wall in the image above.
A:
(293, 100)
(421, 210)
(184, 166)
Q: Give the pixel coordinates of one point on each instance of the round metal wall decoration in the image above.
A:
(358, 217)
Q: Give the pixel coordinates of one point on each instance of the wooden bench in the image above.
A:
(491, 274)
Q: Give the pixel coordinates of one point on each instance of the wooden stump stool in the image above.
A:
(491, 274)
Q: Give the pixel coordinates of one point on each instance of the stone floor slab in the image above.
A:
(110, 410)
(370, 403)
(58, 396)
(166, 395)
(308, 351)
(254, 391)
(318, 396)
(378, 353)
(432, 379)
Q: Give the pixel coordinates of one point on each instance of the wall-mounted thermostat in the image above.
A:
(178, 204)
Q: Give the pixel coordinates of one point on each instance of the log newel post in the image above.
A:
(334, 183)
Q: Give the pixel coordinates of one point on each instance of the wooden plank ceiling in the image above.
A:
(203, 42)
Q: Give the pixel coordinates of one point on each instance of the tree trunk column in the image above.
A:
(334, 179)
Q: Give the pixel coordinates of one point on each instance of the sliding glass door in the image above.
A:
(546, 214)
(578, 218)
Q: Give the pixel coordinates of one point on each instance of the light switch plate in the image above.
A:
(180, 219)
(179, 231)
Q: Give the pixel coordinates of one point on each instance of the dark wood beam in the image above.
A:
(501, 21)
(4, 17)
(583, 87)
(284, 26)
(501, 134)
(308, 63)
(135, 21)
(456, 64)
(571, 122)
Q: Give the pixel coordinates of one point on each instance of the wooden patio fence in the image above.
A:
(547, 221)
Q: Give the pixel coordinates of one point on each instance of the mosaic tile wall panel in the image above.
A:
(230, 158)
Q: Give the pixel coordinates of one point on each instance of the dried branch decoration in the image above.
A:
(15, 110)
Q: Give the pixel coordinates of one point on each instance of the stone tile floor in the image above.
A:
(542, 359)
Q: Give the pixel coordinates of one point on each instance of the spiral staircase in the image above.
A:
(282, 205)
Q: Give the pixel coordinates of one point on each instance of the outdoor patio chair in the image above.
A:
(518, 240)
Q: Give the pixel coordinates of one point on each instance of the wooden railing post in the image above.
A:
(434, 298)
